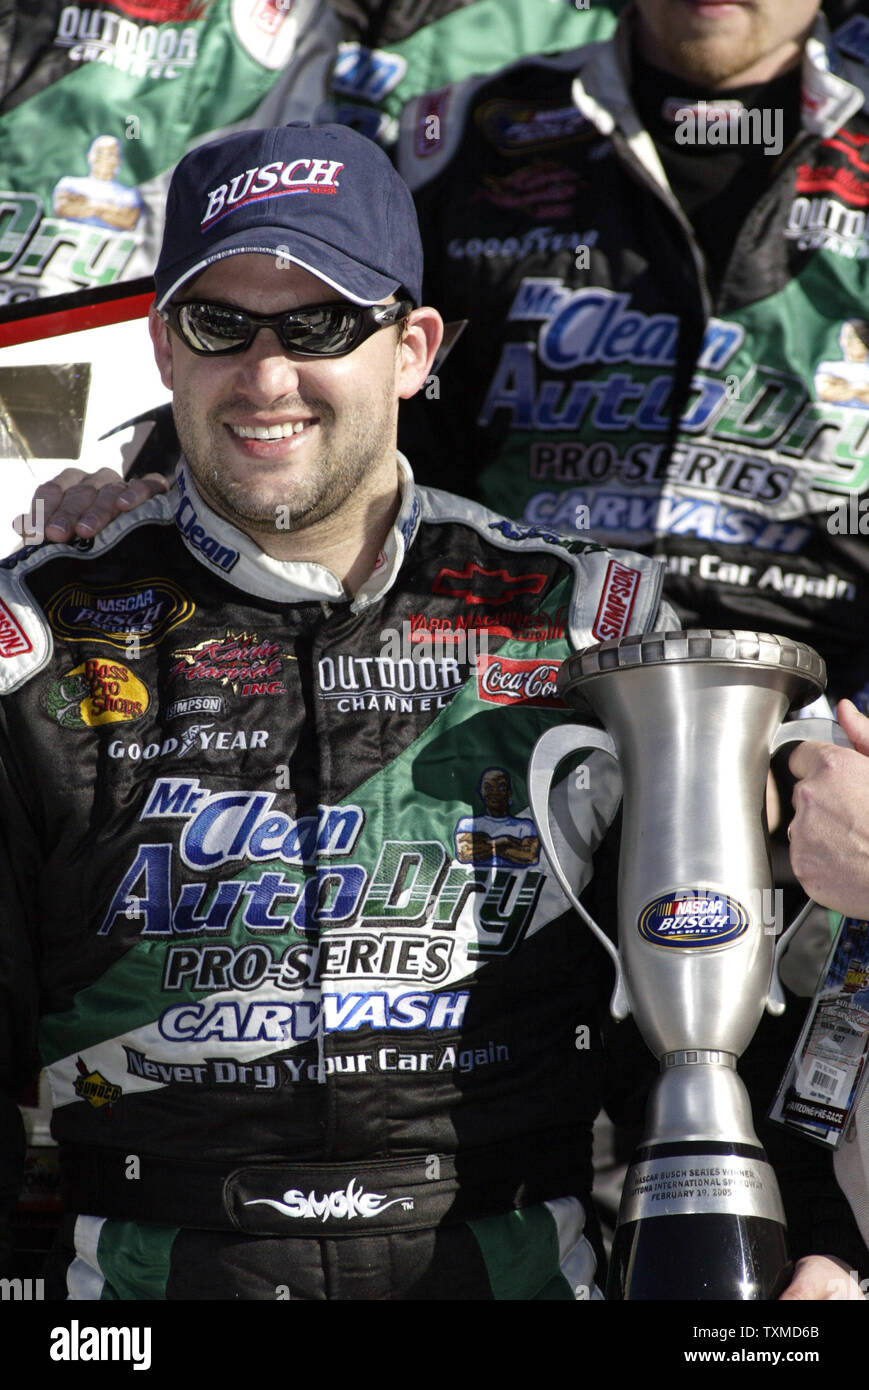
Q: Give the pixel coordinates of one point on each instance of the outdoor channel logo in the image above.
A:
(694, 917)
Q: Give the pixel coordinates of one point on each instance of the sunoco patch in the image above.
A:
(694, 917)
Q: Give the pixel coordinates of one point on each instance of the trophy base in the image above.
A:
(700, 1220)
(699, 1257)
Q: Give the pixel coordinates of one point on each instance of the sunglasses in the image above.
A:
(323, 330)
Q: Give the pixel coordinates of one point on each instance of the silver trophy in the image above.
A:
(693, 718)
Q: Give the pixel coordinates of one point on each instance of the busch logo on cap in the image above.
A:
(274, 180)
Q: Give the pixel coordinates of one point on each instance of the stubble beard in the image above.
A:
(708, 64)
(333, 475)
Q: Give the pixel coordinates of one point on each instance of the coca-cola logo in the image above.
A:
(506, 680)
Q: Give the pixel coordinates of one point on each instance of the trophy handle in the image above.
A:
(549, 752)
(798, 731)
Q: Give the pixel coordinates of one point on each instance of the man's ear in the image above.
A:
(419, 344)
(162, 347)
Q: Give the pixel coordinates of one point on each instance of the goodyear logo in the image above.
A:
(144, 611)
(696, 917)
(96, 692)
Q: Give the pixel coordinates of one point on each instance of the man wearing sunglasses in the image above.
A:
(297, 1049)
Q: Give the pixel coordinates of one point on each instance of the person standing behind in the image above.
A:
(657, 241)
(829, 851)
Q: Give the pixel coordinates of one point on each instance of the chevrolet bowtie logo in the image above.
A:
(493, 587)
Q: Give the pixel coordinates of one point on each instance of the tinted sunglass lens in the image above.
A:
(213, 328)
(325, 332)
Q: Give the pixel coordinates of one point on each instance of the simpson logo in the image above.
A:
(147, 609)
(275, 180)
(520, 681)
(697, 917)
(196, 704)
(97, 692)
(93, 1087)
(13, 639)
(617, 601)
(477, 585)
(344, 1204)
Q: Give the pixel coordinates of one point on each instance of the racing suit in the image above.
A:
(299, 1045)
(600, 386)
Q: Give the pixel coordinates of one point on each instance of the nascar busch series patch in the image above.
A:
(695, 917)
(123, 615)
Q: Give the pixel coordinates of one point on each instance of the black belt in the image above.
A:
(316, 1199)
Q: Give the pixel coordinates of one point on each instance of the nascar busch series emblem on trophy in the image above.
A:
(692, 718)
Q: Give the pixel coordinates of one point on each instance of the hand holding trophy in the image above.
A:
(693, 718)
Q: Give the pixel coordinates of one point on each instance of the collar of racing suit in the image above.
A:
(242, 563)
(834, 88)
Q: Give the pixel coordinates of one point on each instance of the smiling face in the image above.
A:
(332, 421)
(724, 43)
(495, 792)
